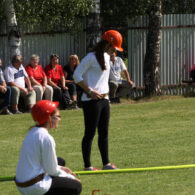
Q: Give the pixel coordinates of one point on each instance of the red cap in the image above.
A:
(42, 110)
(114, 38)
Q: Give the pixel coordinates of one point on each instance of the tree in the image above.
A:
(47, 15)
(116, 14)
(14, 38)
(93, 26)
(152, 56)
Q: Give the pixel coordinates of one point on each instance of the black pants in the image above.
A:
(96, 114)
(63, 185)
(7, 97)
(62, 96)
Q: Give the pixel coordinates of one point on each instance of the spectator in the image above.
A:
(68, 73)
(56, 79)
(38, 79)
(92, 75)
(118, 86)
(38, 170)
(16, 77)
(192, 73)
(5, 93)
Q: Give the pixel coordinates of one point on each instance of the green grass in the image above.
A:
(153, 132)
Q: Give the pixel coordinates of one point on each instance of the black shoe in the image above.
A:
(16, 112)
(6, 112)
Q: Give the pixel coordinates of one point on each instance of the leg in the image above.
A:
(7, 97)
(39, 92)
(15, 97)
(66, 98)
(113, 88)
(48, 93)
(57, 96)
(103, 131)
(72, 91)
(30, 99)
(91, 117)
(124, 89)
(63, 185)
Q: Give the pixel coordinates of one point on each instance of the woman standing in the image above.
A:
(92, 75)
(38, 79)
(56, 79)
(38, 170)
(68, 73)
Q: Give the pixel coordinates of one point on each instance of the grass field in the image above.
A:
(157, 132)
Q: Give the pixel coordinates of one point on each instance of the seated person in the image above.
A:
(5, 93)
(56, 79)
(118, 86)
(39, 171)
(68, 73)
(16, 77)
(192, 72)
(38, 79)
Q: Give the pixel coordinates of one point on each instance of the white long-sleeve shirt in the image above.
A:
(38, 156)
(90, 72)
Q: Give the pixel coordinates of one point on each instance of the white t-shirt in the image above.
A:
(15, 75)
(116, 69)
(38, 156)
(90, 71)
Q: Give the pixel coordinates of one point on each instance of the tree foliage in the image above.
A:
(51, 15)
(114, 13)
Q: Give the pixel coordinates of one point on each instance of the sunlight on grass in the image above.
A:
(154, 132)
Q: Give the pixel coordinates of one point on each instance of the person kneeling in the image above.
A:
(38, 171)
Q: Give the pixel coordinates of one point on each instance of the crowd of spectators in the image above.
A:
(55, 82)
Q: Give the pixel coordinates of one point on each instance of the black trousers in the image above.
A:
(62, 96)
(63, 185)
(96, 114)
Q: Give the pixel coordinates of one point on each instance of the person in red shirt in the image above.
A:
(56, 79)
(38, 79)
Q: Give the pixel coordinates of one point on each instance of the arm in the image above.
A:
(34, 82)
(28, 83)
(50, 82)
(126, 73)
(91, 92)
(18, 86)
(65, 76)
(49, 159)
(3, 88)
(63, 81)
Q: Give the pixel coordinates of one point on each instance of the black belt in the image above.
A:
(30, 182)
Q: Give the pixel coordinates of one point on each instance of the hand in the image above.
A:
(67, 170)
(131, 83)
(65, 88)
(3, 89)
(25, 91)
(95, 95)
(44, 87)
(30, 89)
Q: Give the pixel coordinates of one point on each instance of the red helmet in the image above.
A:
(42, 110)
(114, 38)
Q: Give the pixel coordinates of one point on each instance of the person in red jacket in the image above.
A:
(38, 79)
(56, 79)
